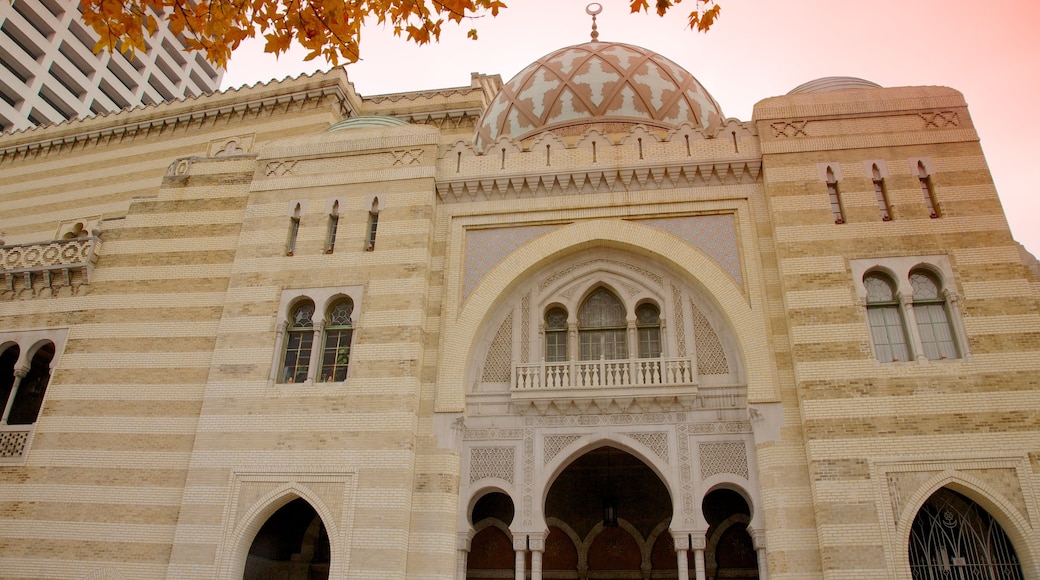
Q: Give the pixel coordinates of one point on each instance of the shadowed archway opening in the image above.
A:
(291, 545)
(491, 550)
(729, 551)
(607, 512)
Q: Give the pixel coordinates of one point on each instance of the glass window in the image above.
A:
(298, 342)
(648, 325)
(27, 401)
(886, 319)
(927, 190)
(339, 331)
(556, 335)
(601, 327)
(932, 320)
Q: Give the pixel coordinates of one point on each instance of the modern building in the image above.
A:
(51, 74)
(577, 325)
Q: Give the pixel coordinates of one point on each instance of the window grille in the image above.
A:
(648, 325)
(952, 537)
(556, 335)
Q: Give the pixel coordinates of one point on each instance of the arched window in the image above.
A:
(932, 320)
(330, 239)
(601, 327)
(927, 190)
(835, 196)
(294, 231)
(556, 335)
(648, 325)
(886, 319)
(299, 340)
(339, 330)
(881, 193)
(952, 537)
(24, 407)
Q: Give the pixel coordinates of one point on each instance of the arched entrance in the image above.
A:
(729, 550)
(491, 550)
(291, 545)
(953, 538)
(608, 515)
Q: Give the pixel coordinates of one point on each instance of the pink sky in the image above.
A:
(990, 51)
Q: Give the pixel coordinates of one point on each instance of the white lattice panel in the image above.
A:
(499, 358)
(726, 457)
(497, 462)
(711, 358)
(554, 444)
(658, 442)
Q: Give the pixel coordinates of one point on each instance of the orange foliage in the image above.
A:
(327, 28)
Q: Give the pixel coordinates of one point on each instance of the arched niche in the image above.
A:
(465, 331)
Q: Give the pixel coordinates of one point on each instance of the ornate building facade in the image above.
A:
(578, 325)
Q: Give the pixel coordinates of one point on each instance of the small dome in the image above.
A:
(597, 82)
(367, 122)
(828, 84)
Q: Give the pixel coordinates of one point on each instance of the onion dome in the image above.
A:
(597, 83)
(828, 84)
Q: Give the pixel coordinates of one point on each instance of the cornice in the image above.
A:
(197, 112)
(738, 171)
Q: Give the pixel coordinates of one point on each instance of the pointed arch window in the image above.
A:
(953, 537)
(887, 329)
(835, 196)
(294, 231)
(299, 340)
(556, 335)
(330, 239)
(881, 193)
(927, 190)
(933, 322)
(339, 332)
(648, 327)
(601, 327)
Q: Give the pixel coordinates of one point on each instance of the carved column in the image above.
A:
(536, 542)
(279, 351)
(464, 540)
(912, 332)
(698, 543)
(317, 345)
(758, 540)
(18, 376)
(682, 550)
(520, 547)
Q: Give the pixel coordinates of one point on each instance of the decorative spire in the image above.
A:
(592, 10)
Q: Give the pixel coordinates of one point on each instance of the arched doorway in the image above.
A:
(729, 550)
(607, 512)
(953, 538)
(491, 550)
(291, 545)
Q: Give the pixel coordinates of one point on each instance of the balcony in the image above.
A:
(56, 262)
(608, 385)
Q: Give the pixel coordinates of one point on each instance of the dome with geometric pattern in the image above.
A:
(597, 83)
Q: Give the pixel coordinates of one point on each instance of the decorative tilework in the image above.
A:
(487, 248)
(711, 357)
(498, 363)
(727, 457)
(492, 462)
(715, 235)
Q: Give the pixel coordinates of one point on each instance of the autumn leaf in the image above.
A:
(326, 28)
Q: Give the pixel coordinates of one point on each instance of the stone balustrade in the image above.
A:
(49, 258)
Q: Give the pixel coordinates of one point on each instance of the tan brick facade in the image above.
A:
(171, 432)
